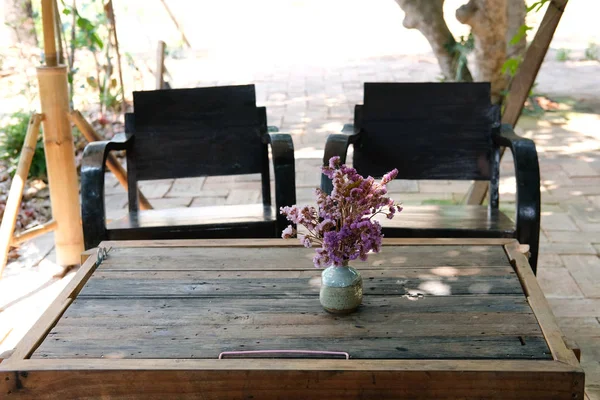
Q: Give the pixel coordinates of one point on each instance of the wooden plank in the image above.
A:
(451, 217)
(160, 284)
(392, 347)
(540, 306)
(293, 379)
(253, 243)
(116, 308)
(270, 257)
(39, 330)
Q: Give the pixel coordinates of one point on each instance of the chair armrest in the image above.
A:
(282, 151)
(93, 167)
(527, 173)
(337, 145)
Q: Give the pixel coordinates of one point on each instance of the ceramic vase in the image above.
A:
(341, 289)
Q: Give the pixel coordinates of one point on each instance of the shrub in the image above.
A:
(12, 138)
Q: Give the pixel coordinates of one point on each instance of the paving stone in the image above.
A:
(557, 222)
(171, 202)
(568, 248)
(558, 283)
(576, 328)
(187, 187)
(207, 201)
(572, 237)
(575, 307)
(549, 260)
(586, 272)
(115, 201)
(240, 196)
(155, 189)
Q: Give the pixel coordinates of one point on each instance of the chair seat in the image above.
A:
(252, 220)
(448, 221)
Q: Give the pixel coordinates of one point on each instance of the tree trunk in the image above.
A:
(18, 16)
(515, 19)
(427, 16)
(487, 19)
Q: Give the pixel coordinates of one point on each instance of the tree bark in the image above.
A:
(18, 15)
(515, 19)
(427, 16)
(487, 19)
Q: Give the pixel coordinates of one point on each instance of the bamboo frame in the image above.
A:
(15, 194)
(160, 65)
(523, 82)
(60, 160)
(176, 24)
(111, 162)
(34, 232)
(48, 25)
(515, 374)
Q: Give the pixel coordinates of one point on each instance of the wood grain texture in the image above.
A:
(501, 280)
(218, 256)
(426, 130)
(410, 346)
(431, 221)
(204, 127)
(540, 305)
(335, 381)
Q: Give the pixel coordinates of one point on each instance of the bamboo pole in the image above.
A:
(115, 166)
(34, 232)
(523, 81)
(48, 26)
(60, 162)
(59, 34)
(176, 24)
(9, 220)
(160, 65)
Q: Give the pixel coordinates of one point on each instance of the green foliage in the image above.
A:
(520, 35)
(12, 138)
(538, 5)
(563, 54)
(511, 66)
(592, 52)
(460, 50)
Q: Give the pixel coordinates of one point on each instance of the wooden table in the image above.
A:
(441, 318)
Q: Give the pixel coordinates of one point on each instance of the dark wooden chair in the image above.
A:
(446, 131)
(187, 133)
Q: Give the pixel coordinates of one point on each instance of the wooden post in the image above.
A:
(523, 81)
(160, 65)
(13, 203)
(60, 163)
(48, 26)
(112, 163)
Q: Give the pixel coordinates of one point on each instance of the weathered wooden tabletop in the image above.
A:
(440, 318)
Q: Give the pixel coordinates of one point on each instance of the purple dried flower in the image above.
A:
(343, 224)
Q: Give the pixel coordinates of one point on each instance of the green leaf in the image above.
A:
(520, 34)
(538, 4)
(511, 65)
(66, 11)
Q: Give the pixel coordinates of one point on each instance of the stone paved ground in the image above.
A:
(312, 97)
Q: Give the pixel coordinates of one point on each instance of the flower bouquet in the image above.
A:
(343, 229)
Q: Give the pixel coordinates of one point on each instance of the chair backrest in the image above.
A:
(426, 130)
(197, 132)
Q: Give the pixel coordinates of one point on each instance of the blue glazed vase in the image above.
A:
(341, 289)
